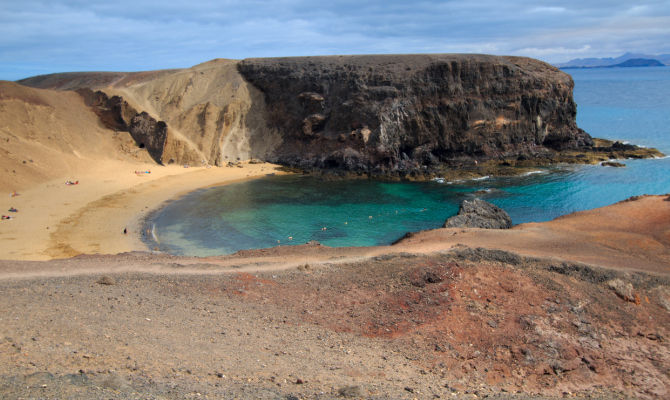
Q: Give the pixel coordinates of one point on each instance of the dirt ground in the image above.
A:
(461, 324)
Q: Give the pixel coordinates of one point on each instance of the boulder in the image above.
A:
(477, 213)
(612, 164)
(622, 289)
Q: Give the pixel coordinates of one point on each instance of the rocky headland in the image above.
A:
(389, 116)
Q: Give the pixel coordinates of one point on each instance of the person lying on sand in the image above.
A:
(6, 217)
(72, 183)
(12, 209)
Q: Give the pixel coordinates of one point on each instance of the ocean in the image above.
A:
(627, 104)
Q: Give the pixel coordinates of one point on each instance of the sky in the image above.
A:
(41, 37)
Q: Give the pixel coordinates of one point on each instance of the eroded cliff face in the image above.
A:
(212, 115)
(115, 113)
(395, 114)
(210, 107)
(389, 115)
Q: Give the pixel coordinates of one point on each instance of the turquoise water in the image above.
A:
(628, 104)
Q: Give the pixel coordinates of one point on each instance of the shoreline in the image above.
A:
(56, 221)
(141, 221)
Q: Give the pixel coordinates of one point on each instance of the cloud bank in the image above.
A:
(38, 37)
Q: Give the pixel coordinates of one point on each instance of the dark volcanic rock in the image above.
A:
(149, 133)
(612, 164)
(397, 114)
(115, 113)
(478, 213)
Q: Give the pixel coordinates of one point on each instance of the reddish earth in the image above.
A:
(508, 327)
(360, 323)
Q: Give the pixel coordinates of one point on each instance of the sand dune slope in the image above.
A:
(46, 134)
(212, 113)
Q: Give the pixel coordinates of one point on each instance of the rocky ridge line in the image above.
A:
(389, 116)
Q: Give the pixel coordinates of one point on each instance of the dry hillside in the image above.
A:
(212, 113)
(47, 134)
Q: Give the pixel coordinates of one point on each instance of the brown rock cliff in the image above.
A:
(396, 113)
(386, 115)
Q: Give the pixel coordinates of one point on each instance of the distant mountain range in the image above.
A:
(626, 60)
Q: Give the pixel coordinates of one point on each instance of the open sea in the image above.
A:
(627, 104)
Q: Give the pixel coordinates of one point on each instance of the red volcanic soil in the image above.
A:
(315, 322)
(488, 325)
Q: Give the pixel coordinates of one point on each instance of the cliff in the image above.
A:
(387, 115)
(394, 114)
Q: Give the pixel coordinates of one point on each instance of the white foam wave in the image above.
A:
(153, 233)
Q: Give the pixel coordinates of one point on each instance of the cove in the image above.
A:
(621, 104)
(259, 213)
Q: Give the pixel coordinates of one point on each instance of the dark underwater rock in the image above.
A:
(612, 164)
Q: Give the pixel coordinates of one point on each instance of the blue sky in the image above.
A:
(39, 37)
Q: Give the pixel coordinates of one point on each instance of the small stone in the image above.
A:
(612, 164)
(115, 382)
(350, 391)
(105, 280)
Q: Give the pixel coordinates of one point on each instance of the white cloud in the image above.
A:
(637, 10)
(544, 52)
(551, 10)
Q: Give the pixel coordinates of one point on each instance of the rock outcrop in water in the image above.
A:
(477, 213)
(386, 115)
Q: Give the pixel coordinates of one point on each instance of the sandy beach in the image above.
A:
(56, 220)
